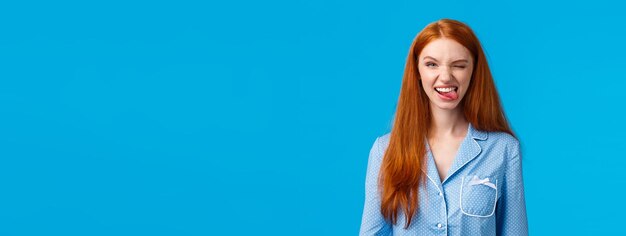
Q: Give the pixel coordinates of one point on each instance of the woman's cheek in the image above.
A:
(429, 75)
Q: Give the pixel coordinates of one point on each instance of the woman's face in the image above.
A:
(445, 67)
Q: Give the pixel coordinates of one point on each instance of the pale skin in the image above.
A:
(444, 63)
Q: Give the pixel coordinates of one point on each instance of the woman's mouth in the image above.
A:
(447, 93)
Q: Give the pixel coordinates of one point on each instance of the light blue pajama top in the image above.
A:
(483, 193)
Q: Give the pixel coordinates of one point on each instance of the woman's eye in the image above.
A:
(460, 67)
(430, 64)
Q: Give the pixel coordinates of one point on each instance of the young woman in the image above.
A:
(450, 165)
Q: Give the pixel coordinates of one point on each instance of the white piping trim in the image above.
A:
(431, 180)
(480, 149)
(461, 200)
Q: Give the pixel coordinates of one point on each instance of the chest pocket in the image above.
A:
(478, 195)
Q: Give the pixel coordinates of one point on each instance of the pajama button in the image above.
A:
(439, 226)
(440, 194)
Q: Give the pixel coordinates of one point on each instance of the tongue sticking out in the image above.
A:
(450, 95)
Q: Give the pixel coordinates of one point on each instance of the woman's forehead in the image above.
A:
(445, 50)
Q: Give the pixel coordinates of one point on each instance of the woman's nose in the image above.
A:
(446, 74)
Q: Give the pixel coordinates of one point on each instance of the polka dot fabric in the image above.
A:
(483, 193)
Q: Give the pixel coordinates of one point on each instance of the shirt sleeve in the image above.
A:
(372, 222)
(511, 209)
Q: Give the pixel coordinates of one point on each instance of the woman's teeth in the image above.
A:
(446, 90)
(448, 93)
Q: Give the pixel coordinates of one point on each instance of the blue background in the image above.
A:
(256, 117)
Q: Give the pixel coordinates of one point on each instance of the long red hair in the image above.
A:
(400, 174)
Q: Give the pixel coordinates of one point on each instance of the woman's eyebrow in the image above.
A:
(424, 58)
(458, 60)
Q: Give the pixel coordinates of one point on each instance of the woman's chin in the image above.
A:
(446, 105)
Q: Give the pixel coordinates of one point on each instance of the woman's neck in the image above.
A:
(447, 123)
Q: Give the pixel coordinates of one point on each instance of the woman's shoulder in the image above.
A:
(503, 140)
(383, 140)
(379, 147)
(502, 137)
